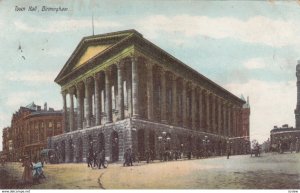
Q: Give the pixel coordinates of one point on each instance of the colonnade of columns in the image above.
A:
(117, 92)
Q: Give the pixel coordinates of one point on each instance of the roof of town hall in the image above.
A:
(130, 36)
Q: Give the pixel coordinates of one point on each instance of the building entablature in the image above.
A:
(131, 46)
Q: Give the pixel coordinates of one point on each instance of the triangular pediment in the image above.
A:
(91, 47)
(89, 53)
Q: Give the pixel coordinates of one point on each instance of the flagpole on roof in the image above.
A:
(93, 22)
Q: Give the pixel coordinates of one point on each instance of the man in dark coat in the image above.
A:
(102, 159)
(228, 148)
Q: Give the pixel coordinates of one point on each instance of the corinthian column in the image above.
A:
(184, 119)
(149, 91)
(200, 109)
(219, 117)
(108, 102)
(71, 91)
(224, 110)
(163, 96)
(65, 111)
(87, 103)
(213, 113)
(229, 120)
(120, 91)
(79, 105)
(207, 112)
(135, 88)
(174, 100)
(193, 106)
(97, 100)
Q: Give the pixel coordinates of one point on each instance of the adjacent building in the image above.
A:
(121, 91)
(30, 127)
(286, 134)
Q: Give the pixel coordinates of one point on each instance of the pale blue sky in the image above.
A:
(249, 48)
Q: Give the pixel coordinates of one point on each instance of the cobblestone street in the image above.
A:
(270, 171)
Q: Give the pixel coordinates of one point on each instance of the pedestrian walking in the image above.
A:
(291, 147)
(102, 159)
(90, 158)
(27, 172)
(297, 144)
(228, 149)
(126, 158)
(131, 157)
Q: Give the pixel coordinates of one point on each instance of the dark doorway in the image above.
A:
(152, 143)
(71, 155)
(80, 150)
(101, 142)
(114, 146)
(141, 143)
(63, 151)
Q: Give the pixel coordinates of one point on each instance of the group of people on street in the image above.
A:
(293, 146)
(33, 171)
(96, 159)
(128, 157)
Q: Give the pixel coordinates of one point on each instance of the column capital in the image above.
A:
(96, 76)
(64, 92)
(120, 64)
(149, 65)
(72, 90)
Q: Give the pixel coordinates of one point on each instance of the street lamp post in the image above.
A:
(205, 144)
(164, 141)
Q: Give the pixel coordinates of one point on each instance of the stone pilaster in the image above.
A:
(120, 107)
(149, 91)
(65, 120)
(135, 87)
(174, 100)
(163, 111)
(108, 102)
(97, 100)
(71, 121)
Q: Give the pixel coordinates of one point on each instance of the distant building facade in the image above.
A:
(286, 135)
(30, 127)
(129, 93)
(6, 141)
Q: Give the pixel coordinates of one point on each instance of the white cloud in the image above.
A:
(64, 25)
(272, 103)
(30, 76)
(255, 63)
(259, 29)
(20, 98)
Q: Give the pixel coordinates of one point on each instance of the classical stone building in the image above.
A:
(30, 127)
(129, 93)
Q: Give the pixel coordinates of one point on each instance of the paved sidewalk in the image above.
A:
(271, 171)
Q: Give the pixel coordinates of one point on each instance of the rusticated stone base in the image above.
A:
(141, 136)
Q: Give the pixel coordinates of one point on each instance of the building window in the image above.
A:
(50, 124)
